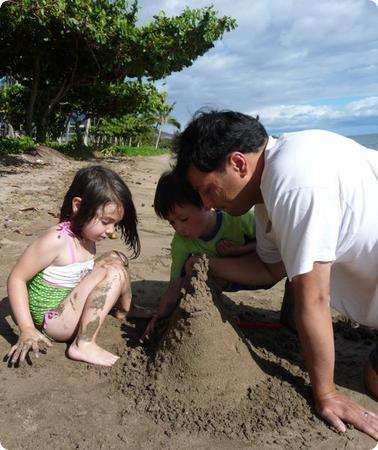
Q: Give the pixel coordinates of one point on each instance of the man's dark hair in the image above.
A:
(211, 136)
(97, 186)
(171, 191)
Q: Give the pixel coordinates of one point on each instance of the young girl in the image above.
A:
(56, 287)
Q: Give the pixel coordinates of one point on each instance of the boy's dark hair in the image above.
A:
(97, 186)
(172, 191)
(211, 136)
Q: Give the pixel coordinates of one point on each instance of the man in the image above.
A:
(315, 195)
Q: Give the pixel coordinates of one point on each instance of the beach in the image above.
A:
(53, 402)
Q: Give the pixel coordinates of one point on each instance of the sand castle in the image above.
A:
(202, 358)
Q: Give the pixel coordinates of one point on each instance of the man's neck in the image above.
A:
(257, 163)
(211, 222)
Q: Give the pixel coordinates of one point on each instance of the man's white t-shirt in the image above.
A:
(320, 195)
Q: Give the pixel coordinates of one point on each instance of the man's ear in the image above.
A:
(238, 162)
(76, 202)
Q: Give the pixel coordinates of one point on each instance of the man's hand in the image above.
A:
(29, 339)
(229, 248)
(339, 410)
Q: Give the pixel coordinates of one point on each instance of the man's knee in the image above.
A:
(287, 317)
(371, 373)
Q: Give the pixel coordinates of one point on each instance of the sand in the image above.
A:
(202, 383)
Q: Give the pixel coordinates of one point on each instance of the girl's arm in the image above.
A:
(41, 253)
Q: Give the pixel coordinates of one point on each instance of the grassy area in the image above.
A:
(25, 144)
(16, 145)
(135, 151)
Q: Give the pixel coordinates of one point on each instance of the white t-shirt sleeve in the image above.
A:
(306, 224)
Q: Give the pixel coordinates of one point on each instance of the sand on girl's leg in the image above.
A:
(99, 303)
(63, 327)
(85, 349)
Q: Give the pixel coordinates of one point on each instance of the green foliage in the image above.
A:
(129, 127)
(74, 149)
(168, 44)
(77, 56)
(16, 145)
(133, 151)
(116, 99)
(13, 99)
(165, 143)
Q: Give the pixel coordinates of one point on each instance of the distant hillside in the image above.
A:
(368, 140)
(165, 135)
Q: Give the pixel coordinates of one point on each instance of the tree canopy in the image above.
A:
(91, 55)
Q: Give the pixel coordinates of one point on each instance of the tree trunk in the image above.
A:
(33, 96)
(51, 104)
(41, 126)
(158, 137)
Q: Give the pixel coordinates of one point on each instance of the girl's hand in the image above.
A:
(28, 340)
(228, 248)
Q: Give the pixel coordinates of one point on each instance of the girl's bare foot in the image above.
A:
(91, 353)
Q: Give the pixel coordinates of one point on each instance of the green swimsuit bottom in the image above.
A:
(44, 298)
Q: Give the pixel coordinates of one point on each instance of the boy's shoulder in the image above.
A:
(178, 239)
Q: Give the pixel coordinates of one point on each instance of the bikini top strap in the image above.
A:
(65, 228)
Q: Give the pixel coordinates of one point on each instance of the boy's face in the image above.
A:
(189, 221)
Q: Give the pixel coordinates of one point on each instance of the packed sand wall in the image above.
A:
(201, 359)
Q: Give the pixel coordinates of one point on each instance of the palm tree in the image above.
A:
(164, 118)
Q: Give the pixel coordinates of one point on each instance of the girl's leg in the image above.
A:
(89, 304)
(63, 325)
(124, 306)
(98, 304)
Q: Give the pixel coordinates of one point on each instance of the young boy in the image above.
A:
(228, 241)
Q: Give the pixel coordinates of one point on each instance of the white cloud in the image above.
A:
(280, 118)
(285, 52)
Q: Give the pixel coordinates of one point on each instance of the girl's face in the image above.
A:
(190, 221)
(103, 225)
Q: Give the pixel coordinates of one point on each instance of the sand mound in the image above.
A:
(203, 376)
(201, 358)
(49, 155)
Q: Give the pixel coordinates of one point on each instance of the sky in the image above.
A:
(298, 64)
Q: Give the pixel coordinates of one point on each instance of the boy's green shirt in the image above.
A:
(241, 229)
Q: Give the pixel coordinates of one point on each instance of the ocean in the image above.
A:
(368, 140)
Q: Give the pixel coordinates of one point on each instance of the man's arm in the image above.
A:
(246, 269)
(314, 325)
(227, 247)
